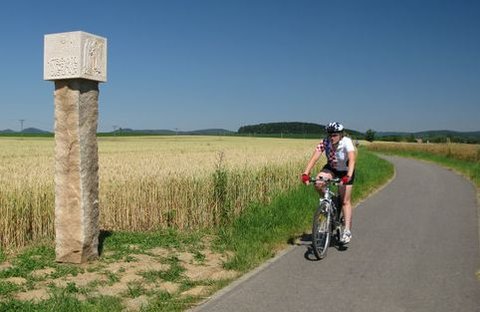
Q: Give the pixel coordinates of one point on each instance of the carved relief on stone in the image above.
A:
(93, 54)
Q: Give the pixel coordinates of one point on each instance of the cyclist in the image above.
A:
(340, 153)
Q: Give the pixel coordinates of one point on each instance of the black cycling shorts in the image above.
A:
(339, 174)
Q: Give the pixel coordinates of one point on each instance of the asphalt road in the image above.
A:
(415, 247)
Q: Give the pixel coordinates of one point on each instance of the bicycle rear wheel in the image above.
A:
(321, 232)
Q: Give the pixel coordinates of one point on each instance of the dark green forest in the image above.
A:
(290, 129)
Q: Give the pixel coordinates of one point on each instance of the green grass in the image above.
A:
(3, 257)
(7, 288)
(64, 301)
(166, 302)
(255, 236)
(119, 246)
(371, 172)
(174, 274)
(37, 258)
(135, 290)
(120, 242)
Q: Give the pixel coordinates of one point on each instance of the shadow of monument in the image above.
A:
(101, 240)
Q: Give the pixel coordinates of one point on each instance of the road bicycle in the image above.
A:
(328, 218)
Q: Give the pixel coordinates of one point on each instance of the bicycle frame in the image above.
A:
(328, 194)
(327, 219)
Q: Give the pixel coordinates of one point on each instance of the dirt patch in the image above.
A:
(35, 295)
(80, 280)
(159, 251)
(136, 304)
(5, 266)
(169, 287)
(16, 280)
(210, 268)
(197, 291)
(43, 273)
(135, 279)
(204, 272)
(114, 290)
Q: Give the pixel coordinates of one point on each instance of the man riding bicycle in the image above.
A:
(340, 153)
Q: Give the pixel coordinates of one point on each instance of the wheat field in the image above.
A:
(146, 183)
(467, 152)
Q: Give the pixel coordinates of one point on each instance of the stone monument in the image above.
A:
(77, 62)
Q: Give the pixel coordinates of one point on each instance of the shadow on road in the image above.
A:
(306, 240)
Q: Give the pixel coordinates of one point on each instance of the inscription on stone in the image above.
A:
(59, 67)
(75, 55)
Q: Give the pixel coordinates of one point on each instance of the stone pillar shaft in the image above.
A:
(76, 170)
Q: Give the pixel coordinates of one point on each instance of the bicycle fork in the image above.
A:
(336, 221)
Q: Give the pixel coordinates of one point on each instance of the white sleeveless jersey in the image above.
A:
(337, 158)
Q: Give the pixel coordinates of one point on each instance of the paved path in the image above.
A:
(415, 248)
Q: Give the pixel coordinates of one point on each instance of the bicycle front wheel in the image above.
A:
(321, 232)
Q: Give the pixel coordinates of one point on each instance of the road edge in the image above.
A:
(220, 293)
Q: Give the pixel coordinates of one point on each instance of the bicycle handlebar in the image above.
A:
(330, 181)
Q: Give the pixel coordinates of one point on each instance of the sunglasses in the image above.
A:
(334, 135)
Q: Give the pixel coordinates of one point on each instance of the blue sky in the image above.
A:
(386, 65)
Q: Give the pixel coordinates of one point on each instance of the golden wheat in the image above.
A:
(468, 152)
(185, 182)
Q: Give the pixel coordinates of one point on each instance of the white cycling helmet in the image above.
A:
(334, 127)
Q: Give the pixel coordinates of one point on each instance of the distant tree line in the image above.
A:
(311, 130)
(429, 139)
(282, 127)
(291, 129)
(426, 137)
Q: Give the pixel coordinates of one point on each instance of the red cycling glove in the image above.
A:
(305, 178)
(345, 179)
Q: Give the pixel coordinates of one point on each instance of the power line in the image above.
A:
(21, 124)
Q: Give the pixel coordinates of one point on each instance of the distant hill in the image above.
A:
(127, 131)
(209, 132)
(290, 128)
(285, 129)
(35, 131)
(27, 131)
